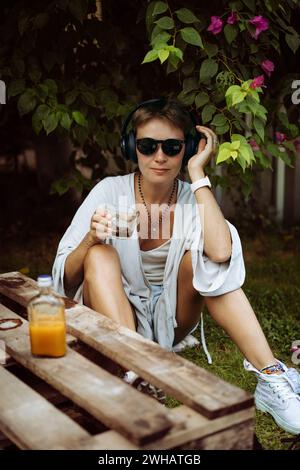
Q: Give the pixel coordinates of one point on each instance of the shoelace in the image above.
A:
(284, 389)
(294, 376)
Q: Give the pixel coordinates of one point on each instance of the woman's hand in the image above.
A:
(100, 228)
(206, 149)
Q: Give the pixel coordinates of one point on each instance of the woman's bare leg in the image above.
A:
(232, 311)
(103, 289)
(189, 302)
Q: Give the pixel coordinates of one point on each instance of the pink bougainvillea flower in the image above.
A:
(261, 24)
(216, 25)
(254, 145)
(257, 82)
(268, 67)
(280, 137)
(232, 19)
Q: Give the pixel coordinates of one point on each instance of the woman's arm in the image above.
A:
(98, 233)
(217, 240)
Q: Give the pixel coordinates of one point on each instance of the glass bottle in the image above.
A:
(47, 326)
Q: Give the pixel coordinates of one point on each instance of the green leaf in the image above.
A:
(79, 118)
(165, 22)
(232, 89)
(231, 32)
(293, 41)
(238, 97)
(279, 152)
(259, 127)
(16, 87)
(208, 69)
(42, 111)
(240, 138)
(190, 84)
(201, 99)
(223, 155)
(88, 98)
(178, 52)
(186, 16)
(80, 134)
(187, 98)
(241, 161)
(36, 123)
(211, 49)
(66, 121)
(50, 122)
(207, 113)
(161, 38)
(26, 102)
(235, 145)
(70, 97)
(263, 159)
(219, 120)
(191, 36)
(150, 56)
(51, 85)
(159, 7)
(163, 55)
(245, 153)
(222, 129)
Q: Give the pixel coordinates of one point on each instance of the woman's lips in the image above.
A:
(160, 170)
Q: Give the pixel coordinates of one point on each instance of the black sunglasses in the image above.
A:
(170, 147)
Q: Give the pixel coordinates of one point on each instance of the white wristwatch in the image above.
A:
(200, 183)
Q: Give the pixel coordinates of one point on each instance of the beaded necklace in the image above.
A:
(155, 225)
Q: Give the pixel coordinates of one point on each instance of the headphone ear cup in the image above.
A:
(191, 146)
(123, 146)
(131, 147)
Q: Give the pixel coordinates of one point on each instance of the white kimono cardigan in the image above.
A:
(210, 278)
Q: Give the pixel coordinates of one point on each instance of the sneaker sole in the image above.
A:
(261, 406)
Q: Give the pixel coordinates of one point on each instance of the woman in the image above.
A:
(158, 283)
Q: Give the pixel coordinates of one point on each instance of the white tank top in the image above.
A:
(154, 262)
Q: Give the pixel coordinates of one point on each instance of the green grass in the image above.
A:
(272, 286)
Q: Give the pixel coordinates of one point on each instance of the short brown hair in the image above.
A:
(167, 108)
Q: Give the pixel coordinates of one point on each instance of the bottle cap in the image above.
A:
(44, 280)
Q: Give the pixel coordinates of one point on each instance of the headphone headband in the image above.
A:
(128, 140)
(141, 105)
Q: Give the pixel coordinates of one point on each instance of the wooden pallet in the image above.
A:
(85, 406)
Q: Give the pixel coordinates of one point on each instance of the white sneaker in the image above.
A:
(188, 342)
(275, 394)
(293, 375)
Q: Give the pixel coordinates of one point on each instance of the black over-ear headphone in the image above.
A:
(128, 144)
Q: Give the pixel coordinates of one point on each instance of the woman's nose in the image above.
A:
(159, 154)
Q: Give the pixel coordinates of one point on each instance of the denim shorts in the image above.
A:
(156, 290)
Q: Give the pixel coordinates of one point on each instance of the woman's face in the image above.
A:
(159, 167)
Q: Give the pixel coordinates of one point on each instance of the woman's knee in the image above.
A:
(101, 257)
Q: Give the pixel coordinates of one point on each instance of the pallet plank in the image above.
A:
(23, 414)
(109, 399)
(191, 428)
(188, 383)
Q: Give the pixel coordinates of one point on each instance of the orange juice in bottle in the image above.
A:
(47, 326)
